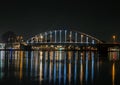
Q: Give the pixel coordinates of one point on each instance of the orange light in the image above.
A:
(114, 36)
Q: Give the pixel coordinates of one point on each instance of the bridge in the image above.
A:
(62, 38)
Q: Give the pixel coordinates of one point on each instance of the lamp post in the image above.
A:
(114, 38)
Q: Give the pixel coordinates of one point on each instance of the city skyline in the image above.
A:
(98, 19)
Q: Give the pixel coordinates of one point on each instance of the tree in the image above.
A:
(8, 37)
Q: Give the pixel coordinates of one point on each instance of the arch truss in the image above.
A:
(62, 37)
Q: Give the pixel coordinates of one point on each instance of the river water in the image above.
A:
(59, 68)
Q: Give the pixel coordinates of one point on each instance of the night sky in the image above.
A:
(97, 18)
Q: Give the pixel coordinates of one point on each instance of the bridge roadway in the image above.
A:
(100, 47)
(78, 44)
(58, 43)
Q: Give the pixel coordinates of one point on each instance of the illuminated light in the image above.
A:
(93, 41)
(54, 72)
(21, 63)
(65, 73)
(60, 36)
(69, 72)
(86, 68)
(51, 55)
(76, 37)
(59, 73)
(70, 35)
(55, 36)
(41, 53)
(81, 38)
(81, 35)
(81, 72)
(50, 72)
(65, 69)
(75, 69)
(92, 72)
(41, 37)
(69, 55)
(40, 71)
(114, 38)
(1, 64)
(45, 70)
(113, 74)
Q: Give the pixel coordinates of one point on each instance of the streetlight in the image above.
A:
(114, 38)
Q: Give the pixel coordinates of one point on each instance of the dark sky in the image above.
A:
(100, 19)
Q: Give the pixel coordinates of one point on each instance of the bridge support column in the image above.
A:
(46, 37)
(81, 38)
(76, 37)
(86, 40)
(65, 36)
(55, 36)
(70, 36)
(93, 41)
(50, 36)
(60, 35)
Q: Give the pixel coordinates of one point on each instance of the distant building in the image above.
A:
(2, 45)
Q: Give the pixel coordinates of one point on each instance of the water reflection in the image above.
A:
(69, 73)
(75, 67)
(65, 69)
(92, 72)
(113, 55)
(54, 73)
(86, 72)
(81, 68)
(53, 67)
(21, 64)
(113, 74)
(40, 72)
(1, 63)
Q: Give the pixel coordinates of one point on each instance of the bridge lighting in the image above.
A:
(81, 38)
(70, 37)
(76, 37)
(55, 36)
(65, 35)
(50, 36)
(114, 38)
(36, 39)
(41, 38)
(46, 36)
(93, 41)
(62, 37)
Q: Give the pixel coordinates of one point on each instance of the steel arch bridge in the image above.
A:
(56, 37)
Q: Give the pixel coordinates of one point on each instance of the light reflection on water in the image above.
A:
(57, 67)
(113, 74)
